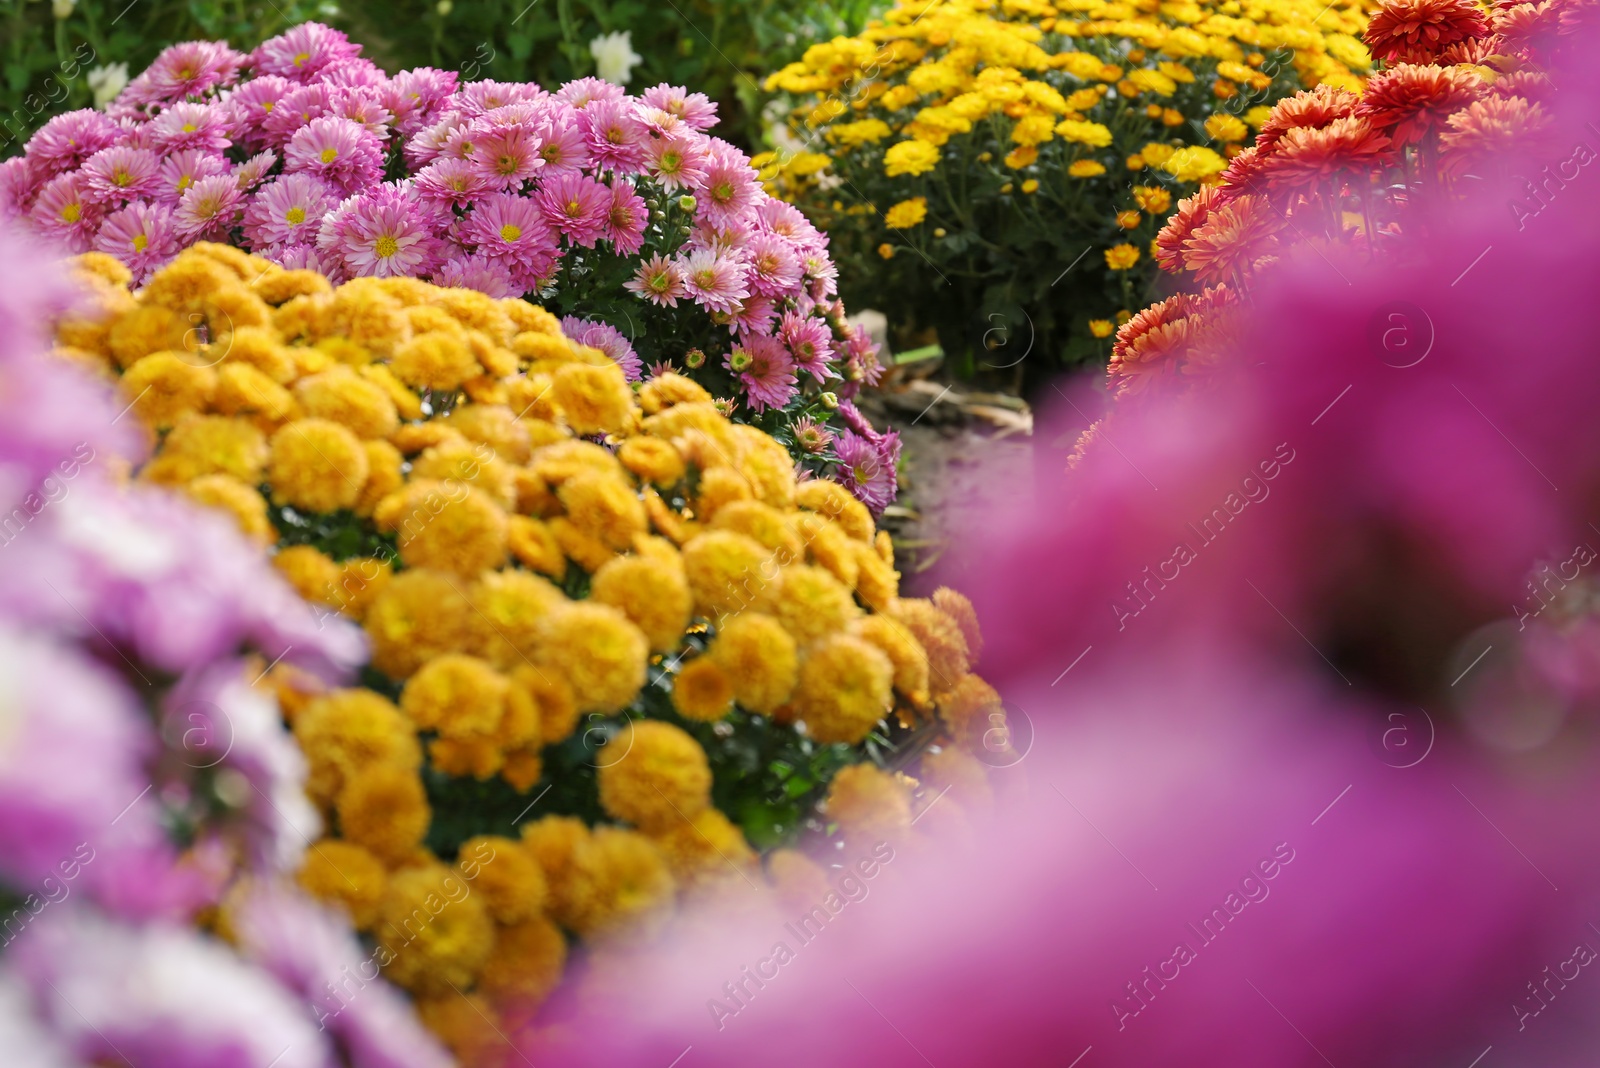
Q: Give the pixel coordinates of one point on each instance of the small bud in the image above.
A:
(694, 359)
(687, 203)
(830, 400)
(739, 361)
(684, 231)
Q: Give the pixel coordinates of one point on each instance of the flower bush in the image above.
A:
(152, 804)
(618, 209)
(996, 172)
(1457, 91)
(616, 612)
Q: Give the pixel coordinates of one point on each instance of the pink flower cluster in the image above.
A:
(134, 627)
(308, 154)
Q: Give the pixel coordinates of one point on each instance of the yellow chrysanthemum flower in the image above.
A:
(510, 880)
(437, 933)
(812, 604)
(1085, 168)
(599, 652)
(760, 658)
(653, 773)
(347, 731)
(1121, 257)
(707, 847)
(702, 691)
(418, 615)
(384, 808)
(910, 157)
(845, 688)
(652, 591)
(869, 803)
(1193, 163)
(526, 963)
(906, 214)
(592, 400)
(621, 886)
(343, 873)
(317, 466)
(727, 572)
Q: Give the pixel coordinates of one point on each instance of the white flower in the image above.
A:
(107, 81)
(614, 57)
(63, 8)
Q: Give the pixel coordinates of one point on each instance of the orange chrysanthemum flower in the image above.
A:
(1528, 26)
(1409, 100)
(1180, 335)
(1495, 126)
(1528, 84)
(1309, 107)
(1192, 212)
(1232, 238)
(1244, 171)
(1417, 31)
(1307, 156)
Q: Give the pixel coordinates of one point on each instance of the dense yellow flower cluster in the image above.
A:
(559, 541)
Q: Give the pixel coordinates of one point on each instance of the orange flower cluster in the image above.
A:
(1459, 89)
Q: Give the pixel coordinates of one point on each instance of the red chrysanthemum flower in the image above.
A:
(1495, 126)
(1191, 213)
(1417, 31)
(1244, 172)
(1408, 100)
(1307, 156)
(1528, 26)
(1232, 238)
(1309, 107)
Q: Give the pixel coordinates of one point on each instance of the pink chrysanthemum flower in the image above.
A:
(476, 98)
(823, 275)
(774, 266)
(364, 105)
(678, 162)
(715, 280)
(301, 53)
(181, 170)
(506, 156)
(67, 140)
(192, 126)
(340, 152)
(452, 181)
(428, 144)
(141, 236)
(294, 111)
(356, 73)
(626, 220)
(618, 141)
(608, 339)
(565, 147)
(785, 220)
(867, 468)
(18, 187)
(181, 71)
(121, 173)
(381, 236)
(480, 272)
(62, 214)
(585, 91)
(658, 280)
(250, 173)
(812, 436)
(765, 368)
(729, 237)
(509, 227)
(209, 209)
(576, 206)
(250, 104)
(755, 315)
(696, 109)
(287, 211)
(810, 342)
(730, 188)
(415, 97)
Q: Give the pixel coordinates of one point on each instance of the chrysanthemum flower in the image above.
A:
(695, 109)
(506, 156)
(1495, 126)
(287, 211)
(755, 315)
(338, 151)
(658, 280)
(626, 220)
(608, 339)
(179, 171)
(511, 228)
(1232, 238)
(382, 237)
(1306, 155)
(867, 468)
(67, 140)
(767, 372)
(810, 343)
(62, 213)
(730, 188)
(1407, 101)
(249, 106)
(414, 97)
(194, 126)
(209, 209)
(301, 53)
(716, 281)
(480, 272)
(564, 146)
(1309, 107)
(1418, 31)
(180, 71)
(250, 173)
(576, 206)
(617, 139)
(583, 92)
(120, 173)
(677, 162)
(295, 110)
(141, 236)
(812, 436)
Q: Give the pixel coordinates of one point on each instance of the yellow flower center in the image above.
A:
(295, 216)
(510, 232)
(71, 213)
(615, 135)
(722, 191)
(185, 73)
(121, 178)
(301, 58)
(670, 161)
(185, 182)
(189, 127)
(705, 279)
(506, 165)
(267, 106)
(139, 242)
(574, 209)
(386, 246)
(329, 155)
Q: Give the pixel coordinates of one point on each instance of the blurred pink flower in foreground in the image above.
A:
(1313, 781)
